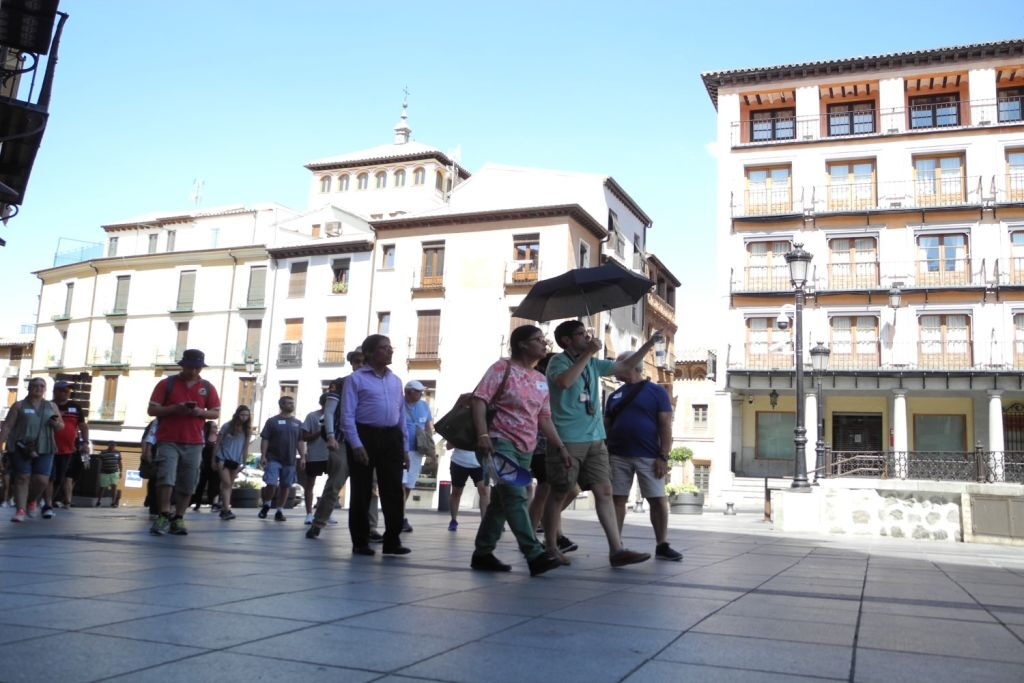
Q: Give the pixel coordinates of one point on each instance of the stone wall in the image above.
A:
(898, 514)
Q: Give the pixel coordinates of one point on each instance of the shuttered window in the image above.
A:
(171, 234)
(293, 329)
(246, 391)
(121, 293)
(67, 299)
(428, 331)
(152, 243)
(257, 286)
(433, 264)
(117, 344)
(297, 280)
(181, 341)
(186, 290)
(253, 329)
(334, 346)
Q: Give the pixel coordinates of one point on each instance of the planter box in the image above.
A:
(245, 498)
(687, 503)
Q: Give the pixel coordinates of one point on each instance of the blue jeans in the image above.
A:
(40, 465)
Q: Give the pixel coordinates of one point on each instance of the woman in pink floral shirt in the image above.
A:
(521, 409)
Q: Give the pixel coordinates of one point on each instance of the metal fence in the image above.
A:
(977, 466)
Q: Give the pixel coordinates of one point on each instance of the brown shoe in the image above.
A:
(624, 557)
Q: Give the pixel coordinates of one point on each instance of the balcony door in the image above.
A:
(943, 260)
(853, 263)
(767, 270)
(939, 181)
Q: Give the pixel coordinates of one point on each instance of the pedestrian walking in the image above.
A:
(339, 452)
(29, 433)
(519, 396)
(316, 456)
(281, 454)
(72, 443)
(419, 440)
(147, 468)
(373, 421)
(638, 420)
(229, 455)
(574, 377)
(464, 467)
(110, 464)
(183, 403)
(209, 483)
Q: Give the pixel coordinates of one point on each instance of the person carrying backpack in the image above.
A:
(183, 403)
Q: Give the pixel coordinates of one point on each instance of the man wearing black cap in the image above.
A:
(183, 403)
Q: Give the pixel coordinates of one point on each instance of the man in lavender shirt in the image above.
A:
(373, 424)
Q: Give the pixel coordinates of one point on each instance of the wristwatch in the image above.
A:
(662, 456)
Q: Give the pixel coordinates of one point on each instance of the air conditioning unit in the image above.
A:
(12, 371)
(332, 228)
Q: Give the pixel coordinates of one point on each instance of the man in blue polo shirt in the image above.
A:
(574, 379)
(638, 419)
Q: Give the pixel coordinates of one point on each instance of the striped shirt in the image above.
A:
(110, 462)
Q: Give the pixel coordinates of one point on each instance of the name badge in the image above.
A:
(29, 411)
(282, 422)
(584, 397)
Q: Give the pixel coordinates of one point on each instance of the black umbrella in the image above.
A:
(582, 292)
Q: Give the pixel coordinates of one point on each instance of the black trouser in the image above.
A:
(385, 448)
(209, 481)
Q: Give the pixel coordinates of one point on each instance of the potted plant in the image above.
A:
(339, 287)
(246, 493)
(685, 499)
(678, 459)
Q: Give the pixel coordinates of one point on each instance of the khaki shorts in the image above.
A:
(589, 466)
(177, 465)
(623, 470)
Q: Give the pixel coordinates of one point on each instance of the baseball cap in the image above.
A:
(61, 384)
(415, 385)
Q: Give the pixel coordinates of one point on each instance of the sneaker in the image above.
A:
(47, 512)
(161, 525)
(406, 527)
(214, 507)
(544, 562)
(19, 516)
(195, 508)
(376, 537)
(262, 514)
(279, 516)
(313, 532)
(395, 550)
(98, 502)
(331, 519)
(489, 563)
(664, 551)
(227, 514)
(624, 557)
(31, 509)
(565, 545)
(453, 525)
(309, 518)
(178, 527)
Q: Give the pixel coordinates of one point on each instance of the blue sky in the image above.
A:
(150, 95)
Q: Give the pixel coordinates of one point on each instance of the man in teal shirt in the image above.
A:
(574, 380)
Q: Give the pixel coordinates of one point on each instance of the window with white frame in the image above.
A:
(854, 342)
(767, 345)
(944, 341)
(853, 263)
(419, 176)
(700, 416)
(767, 269)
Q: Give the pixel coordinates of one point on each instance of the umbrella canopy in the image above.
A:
(582, 292)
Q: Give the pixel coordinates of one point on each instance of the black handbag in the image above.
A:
(457, 424)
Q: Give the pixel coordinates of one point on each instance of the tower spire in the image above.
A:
(402, 129)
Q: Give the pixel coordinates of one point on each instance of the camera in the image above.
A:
(782, 321)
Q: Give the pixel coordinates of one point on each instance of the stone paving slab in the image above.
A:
(255, 601)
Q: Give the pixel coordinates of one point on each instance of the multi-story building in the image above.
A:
(15, 368)
(901, 172)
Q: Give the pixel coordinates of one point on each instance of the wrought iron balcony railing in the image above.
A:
(289, 354)
(871, 354)
(975, 466)
(334, 353)
(1002, 111)
(522, 272)
(935, 272)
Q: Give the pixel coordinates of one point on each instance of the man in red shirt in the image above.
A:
(183, 403)
(69, 445)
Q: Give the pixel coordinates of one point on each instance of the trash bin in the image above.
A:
(444, 494)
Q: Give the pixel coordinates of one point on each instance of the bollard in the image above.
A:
(730, 509)
(444, 493)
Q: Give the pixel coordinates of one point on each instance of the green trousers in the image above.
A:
(508, 504)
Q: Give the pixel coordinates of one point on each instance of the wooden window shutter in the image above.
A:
(293, 329)
(428, 332)
(297, 281)
(117, 344)
(110, 389)
(334, 348)
(186, 290)
(181, 342)
(257, 286)
(121, 294)
(253, 328)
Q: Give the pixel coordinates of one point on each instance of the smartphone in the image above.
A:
(191, 405)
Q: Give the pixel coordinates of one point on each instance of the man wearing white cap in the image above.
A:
(417, 418)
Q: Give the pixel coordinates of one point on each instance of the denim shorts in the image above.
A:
(39, 465)
(277, 474)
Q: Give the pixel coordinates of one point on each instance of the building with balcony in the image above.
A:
(15, 368)
(900, 173)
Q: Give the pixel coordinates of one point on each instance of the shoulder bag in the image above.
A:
(457, 424)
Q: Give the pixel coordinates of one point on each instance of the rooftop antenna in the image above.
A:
(197, 191)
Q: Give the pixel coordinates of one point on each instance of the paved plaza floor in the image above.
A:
(91, 596)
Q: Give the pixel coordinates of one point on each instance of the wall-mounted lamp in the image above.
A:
(895, 295)
(773, 399)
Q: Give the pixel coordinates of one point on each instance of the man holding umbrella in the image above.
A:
(574, 381)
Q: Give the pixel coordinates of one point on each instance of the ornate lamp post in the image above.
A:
(798, 261)
(819, 362)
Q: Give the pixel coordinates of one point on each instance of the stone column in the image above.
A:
(811, 422)
(996, 443)
(899, 432)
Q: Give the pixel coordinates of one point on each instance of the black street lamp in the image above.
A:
(798, 261)
(819, 362)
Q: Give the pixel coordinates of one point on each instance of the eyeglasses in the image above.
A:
(542, 340)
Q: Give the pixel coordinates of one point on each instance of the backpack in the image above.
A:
(170, 385)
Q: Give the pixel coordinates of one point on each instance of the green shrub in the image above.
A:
(677, 456)
(676, 489)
